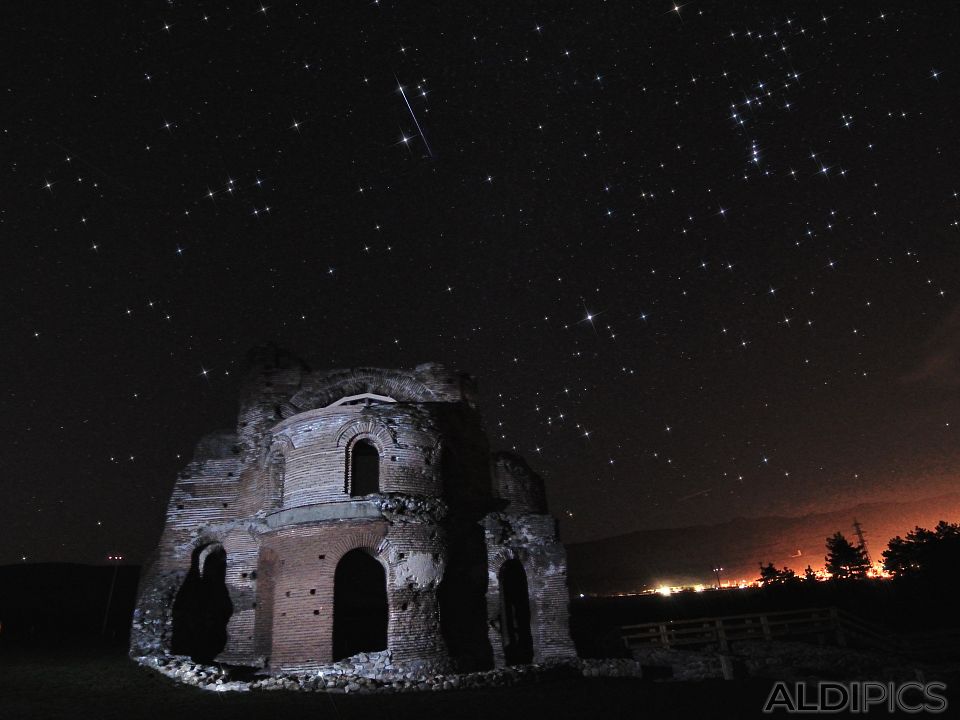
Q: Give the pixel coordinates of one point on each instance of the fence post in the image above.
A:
(664, 639)
(838, 628)
(766, 628)
(721, 635)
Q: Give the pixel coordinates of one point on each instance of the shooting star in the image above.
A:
(415, 121)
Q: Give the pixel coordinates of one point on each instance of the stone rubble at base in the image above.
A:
(375, 673)
(357, 677)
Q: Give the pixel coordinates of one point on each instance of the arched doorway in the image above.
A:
(360, 611)
(364, 468)
(515, 614)
(202, 607)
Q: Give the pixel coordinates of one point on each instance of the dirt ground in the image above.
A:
(100, 684)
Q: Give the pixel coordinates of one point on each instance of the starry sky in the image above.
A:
(702, 258)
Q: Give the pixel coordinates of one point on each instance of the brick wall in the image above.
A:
(316, 458)
(297, 584)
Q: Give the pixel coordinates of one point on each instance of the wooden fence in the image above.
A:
(821, 624)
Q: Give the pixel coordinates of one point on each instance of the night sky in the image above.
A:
(702, 260)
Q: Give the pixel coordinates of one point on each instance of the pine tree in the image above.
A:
(809, 575)
(845, 560)
(925, 552)
(770, 575)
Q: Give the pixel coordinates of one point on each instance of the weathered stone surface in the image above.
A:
(280, 500)
(339, 677)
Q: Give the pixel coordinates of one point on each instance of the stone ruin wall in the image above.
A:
(274, 495)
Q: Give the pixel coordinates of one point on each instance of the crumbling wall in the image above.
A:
(200, 497)
(524, 531)
(430, 382)
(272, 377)
(151, 631)
(532, 540)
(518, 485)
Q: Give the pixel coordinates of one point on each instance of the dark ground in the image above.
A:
(102, 684)
(99, 684)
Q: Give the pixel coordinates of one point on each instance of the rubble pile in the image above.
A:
(374, 673)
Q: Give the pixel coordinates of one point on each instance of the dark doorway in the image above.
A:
(202, 607)
(364, 469)
(515, 614)
(359, 605)
(462, 600)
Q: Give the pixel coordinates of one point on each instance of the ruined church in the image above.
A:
(355, 515)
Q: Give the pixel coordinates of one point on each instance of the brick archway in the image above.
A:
(202, 606)
(360, 609)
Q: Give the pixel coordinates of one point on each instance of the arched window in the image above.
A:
(364, 468)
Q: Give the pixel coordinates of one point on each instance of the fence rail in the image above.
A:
(821, 623)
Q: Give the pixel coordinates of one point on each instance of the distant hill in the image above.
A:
(60, 603)
(650, 558)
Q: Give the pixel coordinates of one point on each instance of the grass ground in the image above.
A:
(99, 685)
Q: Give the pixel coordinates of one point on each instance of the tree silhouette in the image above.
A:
(809, 575)
(769, 575)
(931, 553)
(844, 560)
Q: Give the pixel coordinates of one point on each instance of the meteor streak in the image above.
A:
(415, 121)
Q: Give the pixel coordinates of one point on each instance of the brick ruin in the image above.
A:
(355, 515)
